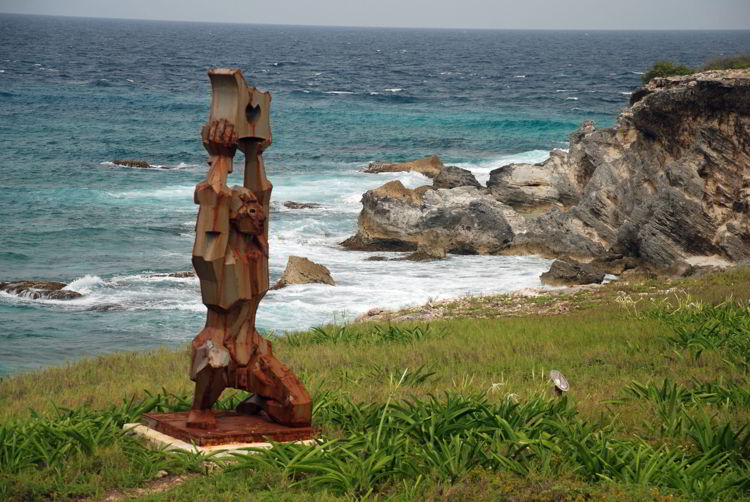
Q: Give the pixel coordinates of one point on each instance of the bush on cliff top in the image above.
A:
(665, 69)
(731, 63)
(670, 69)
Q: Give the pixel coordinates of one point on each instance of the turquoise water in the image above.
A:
(77, 93)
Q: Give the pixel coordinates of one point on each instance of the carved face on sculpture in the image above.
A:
(246, 213)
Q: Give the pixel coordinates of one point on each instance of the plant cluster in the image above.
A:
(728, 63)
(358, 336)
(71, 452)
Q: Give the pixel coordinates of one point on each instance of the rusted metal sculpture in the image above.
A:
(230, 256)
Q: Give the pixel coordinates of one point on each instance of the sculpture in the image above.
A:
(230, 257)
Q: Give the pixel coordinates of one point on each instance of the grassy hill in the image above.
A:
(459, 408)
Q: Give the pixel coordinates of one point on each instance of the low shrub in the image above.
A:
(665, 69)
(728, 63)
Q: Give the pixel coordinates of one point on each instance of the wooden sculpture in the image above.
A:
(230, 256)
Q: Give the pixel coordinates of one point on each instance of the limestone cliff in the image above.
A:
(668, 185)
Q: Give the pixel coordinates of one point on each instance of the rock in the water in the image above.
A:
(47, 290)
(429, 166)
(175, 274)
(567, 273)
(300, 270)
(464, 220)
(425, 253)
(376, 258)
(300, 205)
(142, 164)
(452, 177)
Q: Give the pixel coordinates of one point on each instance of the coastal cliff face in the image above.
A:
(668, 185)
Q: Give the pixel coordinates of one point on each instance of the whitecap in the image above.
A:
(130, 80)
(85, 284)
(393, 89)
(338, 92)
(625, 93)
(572, 98)
(519, 76)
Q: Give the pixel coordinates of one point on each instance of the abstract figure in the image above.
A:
(230, 256)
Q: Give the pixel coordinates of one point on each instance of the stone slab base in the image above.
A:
(231, 427)
(163, 441)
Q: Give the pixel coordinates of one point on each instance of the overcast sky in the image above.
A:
(503, 14)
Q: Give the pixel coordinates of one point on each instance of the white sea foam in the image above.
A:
(166, 193)
(393, 89)
(338, 92)
(571, 98)
(519, 76)
(315, 233)
(85, 284)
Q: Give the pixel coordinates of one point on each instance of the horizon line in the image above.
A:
(359, 26)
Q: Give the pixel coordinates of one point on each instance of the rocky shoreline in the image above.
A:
(667, 190)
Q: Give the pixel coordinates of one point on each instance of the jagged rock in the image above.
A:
(142, 164)
(668, 186)
(300, 270)
(47, 290)
(174, 274)
(300, 205)
(567, 273)
(429, 166)
(614, 263)
(106, 307)
(452, 177)
(536, 186)
(426, 253)
(376, 258)
(464, 220)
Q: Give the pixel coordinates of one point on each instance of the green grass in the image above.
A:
(460, 409)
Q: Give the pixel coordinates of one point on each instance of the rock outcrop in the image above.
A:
(668, 186)
(141, 164)
(536, 186)
(429, 166)
(36, 290)
(290, 204)
(463, 220)
(300, 270)
(453, 177)
(569, 273)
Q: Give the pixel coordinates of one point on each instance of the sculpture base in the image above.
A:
(231, 427)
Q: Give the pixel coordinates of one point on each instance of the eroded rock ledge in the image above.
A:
(668, 186)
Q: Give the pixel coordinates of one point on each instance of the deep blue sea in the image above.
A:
(76, 94)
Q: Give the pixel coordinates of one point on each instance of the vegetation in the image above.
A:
(728, 63)
(669, 69)
(665, 69)
(460, 409)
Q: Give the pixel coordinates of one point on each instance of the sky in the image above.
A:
(487, 14)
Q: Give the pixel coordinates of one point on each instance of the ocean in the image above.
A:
(77, 93)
